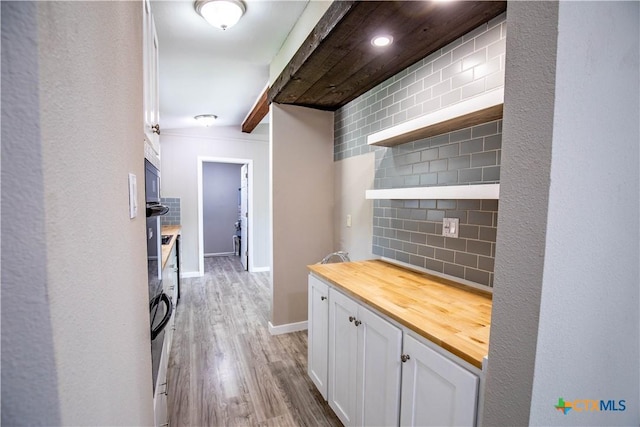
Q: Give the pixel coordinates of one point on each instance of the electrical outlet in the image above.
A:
(450, 227)
(349, 220)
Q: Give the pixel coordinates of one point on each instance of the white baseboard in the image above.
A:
(287, 328)
(188, 274)
(219, 254)
(260, 269)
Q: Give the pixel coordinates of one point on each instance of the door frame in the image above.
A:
(201, 161)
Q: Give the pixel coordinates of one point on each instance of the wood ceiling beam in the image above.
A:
(337, 63)
(257, 113)
(332, 17)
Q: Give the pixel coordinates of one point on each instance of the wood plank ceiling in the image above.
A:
(337, 62)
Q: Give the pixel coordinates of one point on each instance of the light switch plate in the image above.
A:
(450, 227)
(133, 196)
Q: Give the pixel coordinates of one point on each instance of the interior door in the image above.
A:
(244, 216)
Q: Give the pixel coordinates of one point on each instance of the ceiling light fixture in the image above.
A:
(221, 13)
(206, 119)
(382, 40)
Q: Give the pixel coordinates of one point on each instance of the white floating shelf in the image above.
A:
(479, 191)
(470, 112)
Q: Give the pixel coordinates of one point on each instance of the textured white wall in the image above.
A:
(524, 185)
(94, 257)
(180, 149)
(565, 308)
(353, 176)
(29, 383)
(302, 204)
(588, 339)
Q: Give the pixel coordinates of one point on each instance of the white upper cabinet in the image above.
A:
(151, 101)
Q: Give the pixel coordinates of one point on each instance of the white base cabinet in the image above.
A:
(357, 364)
(435, 390)
(364, 364)
(318, 334)
(169, 286)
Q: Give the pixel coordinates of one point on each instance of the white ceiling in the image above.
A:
(204, 70)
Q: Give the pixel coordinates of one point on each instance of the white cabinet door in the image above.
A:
(343, 343)
(364, 364)
(379, 370)
(160, 412)
(318, 330)
(151, 88)
(435, 390)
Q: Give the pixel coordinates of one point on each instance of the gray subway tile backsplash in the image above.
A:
(173, 216)
(411, 230)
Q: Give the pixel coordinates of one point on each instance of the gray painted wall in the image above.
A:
(75, 317)
(565, 309)
(302, 203)
(220, 205)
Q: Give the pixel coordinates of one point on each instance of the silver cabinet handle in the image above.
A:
(351, 318)
(405, 357)
(358, 323)
(323, 298)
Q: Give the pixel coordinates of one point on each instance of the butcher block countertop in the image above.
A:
(173, 230)
(451, 315)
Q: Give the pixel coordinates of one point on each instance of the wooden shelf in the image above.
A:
(450, 192)
(471, 112)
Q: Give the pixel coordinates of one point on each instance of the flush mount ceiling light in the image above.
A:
(221, 13)
(206, 119)
(382, 40)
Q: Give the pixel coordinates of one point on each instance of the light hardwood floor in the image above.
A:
(225, 369)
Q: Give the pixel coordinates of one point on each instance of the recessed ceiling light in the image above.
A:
(382, 40)
(206, 119)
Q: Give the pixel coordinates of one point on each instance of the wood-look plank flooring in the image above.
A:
(225, 369)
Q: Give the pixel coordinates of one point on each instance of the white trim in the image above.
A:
(260, 269)
(452, 192)
(205, 159)
(189, 274)
(287, 328)
(481, 102)
(465, 282)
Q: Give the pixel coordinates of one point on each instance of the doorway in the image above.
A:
(225, 218)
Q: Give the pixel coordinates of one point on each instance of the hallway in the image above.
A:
(226, 369)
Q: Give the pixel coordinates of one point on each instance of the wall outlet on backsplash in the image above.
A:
(450, 227)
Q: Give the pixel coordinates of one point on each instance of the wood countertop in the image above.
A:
(449, 314)
(173, 230)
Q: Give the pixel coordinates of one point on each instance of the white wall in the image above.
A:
(589, 321)
(302, 203)
(353, 176)
(180, 149)
(89, 266)
(565, 309)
